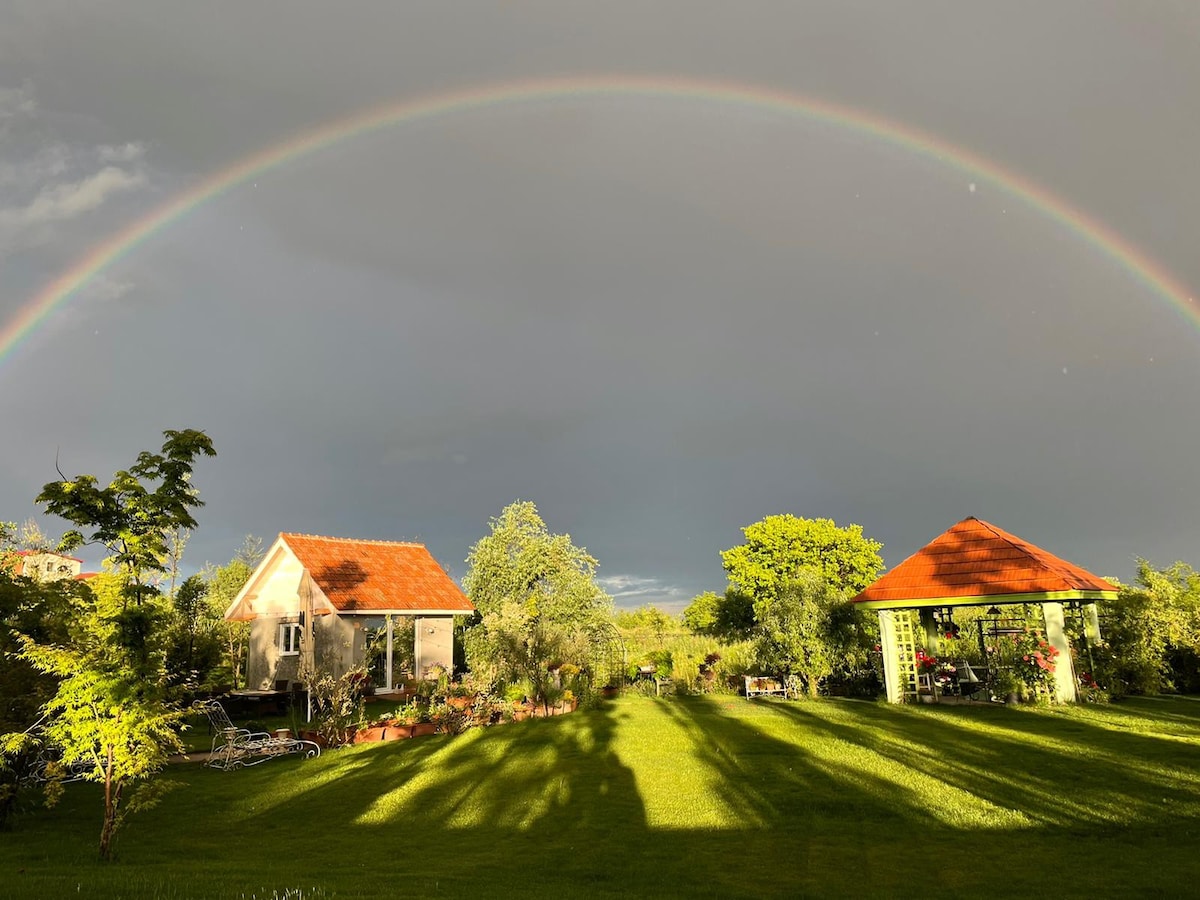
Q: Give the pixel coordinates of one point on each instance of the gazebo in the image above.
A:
(977, 564)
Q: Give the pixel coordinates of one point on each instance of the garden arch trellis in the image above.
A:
(977, 564)
(607, 654)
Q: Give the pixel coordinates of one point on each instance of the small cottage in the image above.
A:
(352, 599)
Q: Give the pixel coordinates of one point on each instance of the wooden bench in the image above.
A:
(758, 686)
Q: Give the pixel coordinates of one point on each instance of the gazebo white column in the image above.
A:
(1091, 623)
(388, 675)
(1064, 669)
(891, 656)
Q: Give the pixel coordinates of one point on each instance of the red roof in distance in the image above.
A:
(977, 559)
(359, 576)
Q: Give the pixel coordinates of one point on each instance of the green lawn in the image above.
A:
(681, 797)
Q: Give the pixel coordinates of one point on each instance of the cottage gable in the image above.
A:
(348, 576)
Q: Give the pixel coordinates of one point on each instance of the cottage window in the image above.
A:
(289, 638)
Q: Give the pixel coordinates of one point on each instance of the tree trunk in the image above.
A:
(112, 803)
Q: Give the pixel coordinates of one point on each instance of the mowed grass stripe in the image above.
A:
(712, 796)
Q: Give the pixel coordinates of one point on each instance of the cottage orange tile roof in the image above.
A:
(360, 576)
(977, 559)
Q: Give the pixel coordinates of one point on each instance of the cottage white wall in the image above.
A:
(263, 655)
(336, 640)
(435, 643)
(49, 566)
(334, 637)
(279, 592)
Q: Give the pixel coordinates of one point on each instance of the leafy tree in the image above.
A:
(729, 617)
(44, 611)
(794, 635)
(223, 584)
(251, 552)
(109, 709)
(536, 595)
(1152, 631)
(788, 586)
(194, 647)
(647, 618)
(132, 521)
(701, 614)
(31, 537)
(177, 539)
(779, 548)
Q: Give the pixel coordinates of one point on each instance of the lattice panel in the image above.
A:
(906, 652)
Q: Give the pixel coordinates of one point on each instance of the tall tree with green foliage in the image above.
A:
(729, 617)
(536, 595)
(44, 611)
(109, 709)
(1152, 633)
(788, 585)
(779, 548)
(794, 634)
(222, 585)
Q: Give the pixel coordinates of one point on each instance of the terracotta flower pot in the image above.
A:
(398, 732)
(369, 735)
(424, 728)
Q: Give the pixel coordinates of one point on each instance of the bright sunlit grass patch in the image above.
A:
(670, 797)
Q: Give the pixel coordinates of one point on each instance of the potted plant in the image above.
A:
(401, 723)
(460, 697)
(424, 724)
(444, 718)
(1006, 686)
(373, 731)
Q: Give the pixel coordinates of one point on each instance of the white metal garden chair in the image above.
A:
(234, 748)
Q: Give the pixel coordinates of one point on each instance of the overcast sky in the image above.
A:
(658, 319)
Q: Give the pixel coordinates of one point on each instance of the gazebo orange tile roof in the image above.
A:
(975, 559)
(360, 576)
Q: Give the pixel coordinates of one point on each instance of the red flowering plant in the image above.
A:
(1036, 662)
(942, 673)
(926, 664)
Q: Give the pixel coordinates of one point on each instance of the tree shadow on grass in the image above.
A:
(1019, 763)
(686, 797)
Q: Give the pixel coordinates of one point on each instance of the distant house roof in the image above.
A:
(975, 562)
(20, 557)
(349, 576)
(359, 575)
(45, 553)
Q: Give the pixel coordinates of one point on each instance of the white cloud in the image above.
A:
(67, 200)
(636, 590)
(17, 101)
(122, 153)
(103, 289)
(46, 181)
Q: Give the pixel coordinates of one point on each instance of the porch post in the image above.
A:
(891, 658)
(933, 637)
(388, 677)
(1056, 636)
(1091, 623)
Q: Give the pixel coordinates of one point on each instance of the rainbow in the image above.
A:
(120, 244)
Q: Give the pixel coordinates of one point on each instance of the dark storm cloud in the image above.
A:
(659, 321)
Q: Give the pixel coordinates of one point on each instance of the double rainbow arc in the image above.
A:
(120, 244)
